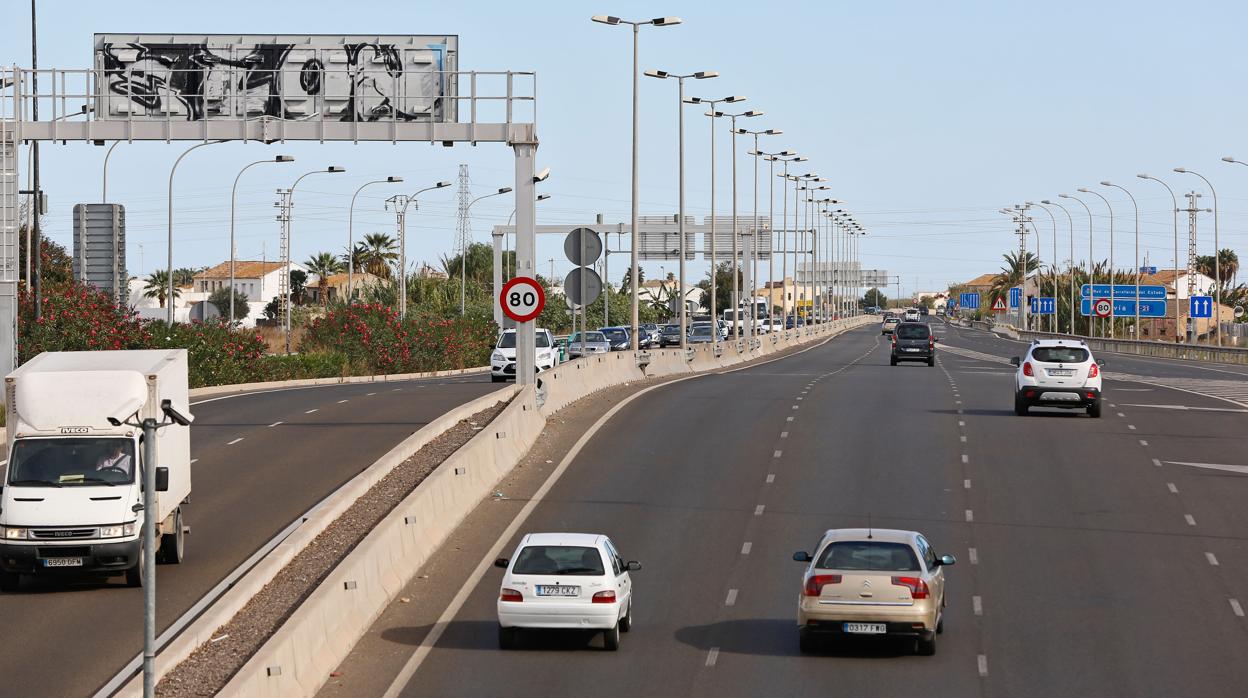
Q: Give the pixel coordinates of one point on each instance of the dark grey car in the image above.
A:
(913, 341)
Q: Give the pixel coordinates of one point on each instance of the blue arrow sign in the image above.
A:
(1200, 306)
(1148, 270)
(1016, 296)
(1123, 291)
(969, 301)
(1043, 306)
(1123, 308)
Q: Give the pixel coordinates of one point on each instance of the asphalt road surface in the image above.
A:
(262, 460)
(1093, 559)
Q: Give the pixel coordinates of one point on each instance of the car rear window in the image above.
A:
(913, 332)
(1060, 355)
(574, 560)
(869, 556)
(615, 335)
(508, 340)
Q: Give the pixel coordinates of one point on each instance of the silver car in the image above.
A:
(594, 343)
(700, 333)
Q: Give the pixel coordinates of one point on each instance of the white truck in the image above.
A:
(72, 495)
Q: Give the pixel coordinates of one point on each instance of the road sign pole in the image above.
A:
(526, 254)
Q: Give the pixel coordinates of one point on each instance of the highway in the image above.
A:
(262, 460)
(1091, 559)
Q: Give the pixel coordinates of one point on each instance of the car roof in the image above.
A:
(1059, 343)
(886, 535)
(613, 327)
(536, 329)
(590, 539)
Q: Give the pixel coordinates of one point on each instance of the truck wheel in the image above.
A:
(173, 545)
(134, 575)
(10, 581)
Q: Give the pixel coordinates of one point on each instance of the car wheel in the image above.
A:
(497, 379)
(508, 638)
(940, 624)
(1094, 410)
(10, 581)
(1020, 406)
(925, 646)
(626, 623)
(931, 361)
(805, 643)
(892, 361)
(611, 638)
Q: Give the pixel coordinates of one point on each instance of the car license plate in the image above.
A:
(865, 628)
(1060, 397)
(1061, 371)
(909, 349)
(558, 590)
(63, 562)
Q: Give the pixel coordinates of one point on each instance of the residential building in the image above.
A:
(336, 285)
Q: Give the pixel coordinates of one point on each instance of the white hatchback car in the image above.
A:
(571, 581)
(880, 581)
(503, 360)
(1057, 373)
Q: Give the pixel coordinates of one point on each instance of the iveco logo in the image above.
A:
(61, 534)
(75, 430)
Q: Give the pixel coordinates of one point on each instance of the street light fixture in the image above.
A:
(169, 269)
(731, 99)
(463, 254)
(290, 219)
(657, 22)
(1217, 266)
(1052, 265)
(406, 201)
(752, 318)
(1178, 332)
(1070, 266)
(233, 196)
(1111, 270)
(680, 129)
(1137, 253)
(351, 233)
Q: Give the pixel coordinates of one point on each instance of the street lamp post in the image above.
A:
(1174, 207)
(289, 222)
(233, 195)
(169, 268)
(1217, 267)
(1137, 254)
(351, 233)
(752, 320)
(658, 22)
(104, 178)
(463, 255)
(736, 254)
(1112, 317)
(401, 203)
(1053, 265)
(1070, 265)
(1091, 275)
(680, 128)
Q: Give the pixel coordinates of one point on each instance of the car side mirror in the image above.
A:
(632, 566)
(935, 339)
(1015, 361)
(162, 479)
(946, 560)
(1100, 362)
(801, 556)
(501, 562)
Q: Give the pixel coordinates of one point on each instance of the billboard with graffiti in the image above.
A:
(304, 77)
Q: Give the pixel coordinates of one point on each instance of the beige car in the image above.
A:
(872, 582)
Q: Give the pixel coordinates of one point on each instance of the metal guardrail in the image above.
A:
(1163, 350)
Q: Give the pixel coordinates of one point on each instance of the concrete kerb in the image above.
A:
(213, 390)
(315, 521)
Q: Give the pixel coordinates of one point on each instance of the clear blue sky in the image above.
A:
(926, 117)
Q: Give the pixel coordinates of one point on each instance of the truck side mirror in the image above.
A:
(162, 479)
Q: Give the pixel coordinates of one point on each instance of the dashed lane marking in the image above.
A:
(712, 656)
(1236, 608)
(963, 438)
(193, 461)
(795, 407)
(784, 434)
(973, 554)
(1173, 489)
(982, 661)
(966, 484)
(970, 516)
(312, 410)
(978, 605)
(235, 441)
(1157, 462)
(771, 477)
(370, 394)
(758, 510)
(1121, 414)
(732, 598)
(966, 458)
(776, 454)
(1213, 560)
(961, 423)
(1191, 521)
(789, 419)
(342, 401)
(746, 547)
(1143, 442)
(274, 424)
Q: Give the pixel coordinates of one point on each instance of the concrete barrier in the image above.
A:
(212, 390)
(297, 659)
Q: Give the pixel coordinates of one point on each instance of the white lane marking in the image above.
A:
(961, 423)
(193, 461)
(1186, 408)
(1143, 442)
(234, 441)
(1213, 560)
(966, 484)
(973, 554)
(746, 547)
(1121, 414)
(771, 477)
(795, 407)
(776, 454)
(1131, 427)
(1112, 405)
(799, 397)
(342, 401)
(978, 605)
(959, 411)
(788, 419)
(712, 656)
(274, 424)
(784, 434)
(732, 598)
(966, 458)
(982, 661)
(957, 402)
(1236, 608)
(398, 389)
(370, 394)
(1213, 466)
(970, 516)
(1170, 486)
(312, 410)
(1157, 462)
(1191, 521)
(1134, 390)
(758, 510)
(963, 438)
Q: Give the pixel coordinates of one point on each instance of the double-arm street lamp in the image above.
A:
(1070, 266)
(657, 22)
(233, 197)
(771, 225)
(752, 319)
(463, 254)
(401, 203)
(1111, 270)
(351, 233)
(1091, 274)
(1052, 266)
(680, 129)
(290, 225)
(736, 232)
(1137, 254)
(1217, 266)
(1174, 206)
(169, 268)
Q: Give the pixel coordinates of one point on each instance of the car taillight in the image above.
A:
(918, 587)
(1027, 369)
(814, 585)
(1093, 371)
(510, 595)
(604, 597)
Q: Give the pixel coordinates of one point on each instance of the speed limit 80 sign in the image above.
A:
(522, 299)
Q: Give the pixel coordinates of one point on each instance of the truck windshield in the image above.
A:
(71, 462)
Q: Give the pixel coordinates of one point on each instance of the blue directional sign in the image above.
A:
(1148, 270)
(969, 301)
(1043, 306)
(1126, 307)
(1016, 296)
(1122, 291)
(1200, 306)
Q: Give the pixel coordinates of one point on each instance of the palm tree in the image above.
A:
(1017, 267)
(323, 264)
(157, 287)
(379, 254)
(1228, 266)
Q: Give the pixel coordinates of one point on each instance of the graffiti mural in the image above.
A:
(318, 77)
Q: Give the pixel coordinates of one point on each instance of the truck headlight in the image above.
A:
(118, 531)
(11, 533)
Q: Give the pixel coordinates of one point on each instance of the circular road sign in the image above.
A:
(522, 299)
(593, 285)
(582, 240)
(1103, 307)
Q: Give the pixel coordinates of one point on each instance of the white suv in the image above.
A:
(503, 360)
(573, 581)
(1057, 373)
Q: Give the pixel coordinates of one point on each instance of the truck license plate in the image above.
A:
(63, 562)
(865, 628)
